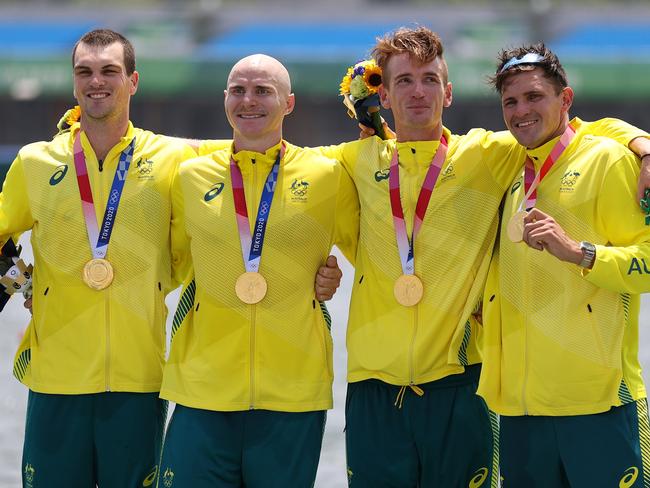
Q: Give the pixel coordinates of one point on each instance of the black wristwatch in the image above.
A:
(588, 254)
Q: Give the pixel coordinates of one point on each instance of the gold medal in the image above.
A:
(515, 227)
(250, 287)
(408, 290)
(98, 274)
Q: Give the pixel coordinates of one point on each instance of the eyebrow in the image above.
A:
(238, 85)
(109, 65)
(408, 73)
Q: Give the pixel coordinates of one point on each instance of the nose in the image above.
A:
(97, 80)
(418, 89)
(522, 108)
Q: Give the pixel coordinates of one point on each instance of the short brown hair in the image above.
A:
(548, 62)
(420, 43)
(106, 37)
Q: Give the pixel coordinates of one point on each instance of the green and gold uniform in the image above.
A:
(83, 342)
(233, 359)
(410, 349)
(561, 343)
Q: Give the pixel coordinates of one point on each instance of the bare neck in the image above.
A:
(102, 135)
(564, 123)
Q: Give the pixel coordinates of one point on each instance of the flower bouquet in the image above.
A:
(359, 89)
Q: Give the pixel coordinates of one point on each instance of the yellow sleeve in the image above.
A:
(502, 154)
(180, 242)
(614, 129)
(347, 153)
(15, 212)
(624, 264)
(210, 146)
(346, 235)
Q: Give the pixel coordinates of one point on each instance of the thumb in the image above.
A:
(331, 262)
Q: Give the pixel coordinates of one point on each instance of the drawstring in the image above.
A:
(399, 400)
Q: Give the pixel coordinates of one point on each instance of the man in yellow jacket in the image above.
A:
(562, 300)
(96, 198)
(250, 365)
(429, 217)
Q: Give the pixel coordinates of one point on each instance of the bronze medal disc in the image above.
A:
(98, 274)
(408, 290)
(250, 287)
(515, 227)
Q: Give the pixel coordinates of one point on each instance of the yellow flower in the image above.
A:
(372, 76)
(73, 115)
(345, 82)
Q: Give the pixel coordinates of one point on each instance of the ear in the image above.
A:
(134, 78)
(383, 97)
(567, 98)
(448, 96)
(291, 103)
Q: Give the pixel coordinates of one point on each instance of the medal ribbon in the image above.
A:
(99, 238)
(251, 245)
(404, 245)
(532, 179)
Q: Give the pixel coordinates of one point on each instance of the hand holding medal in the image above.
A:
(515, 227)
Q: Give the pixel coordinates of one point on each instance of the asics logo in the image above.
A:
(213, 192)
(59, 174)
(151, 478)
(628, 479)
(479, 478)
(382, 175)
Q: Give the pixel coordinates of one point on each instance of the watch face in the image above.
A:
(588, 254)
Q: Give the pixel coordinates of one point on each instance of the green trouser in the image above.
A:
(253, 448)
(397, 438)
(609, 449)
(110, 440)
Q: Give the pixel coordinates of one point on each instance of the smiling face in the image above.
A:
(533, 110)
(102, 86)
(416, 93)
(257, 99)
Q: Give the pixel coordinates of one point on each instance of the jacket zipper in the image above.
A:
(412, 347)
(252, 307)
(525, 325)
(107, 352)
(252, 360)
(414, 194)
(108, 339)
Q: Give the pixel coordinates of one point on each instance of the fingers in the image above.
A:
(324, 294)
(328, 279)
(387, 130)
(365, 132)
(28, 304)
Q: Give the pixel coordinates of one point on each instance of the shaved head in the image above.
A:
(257, 99)
(273, 69)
